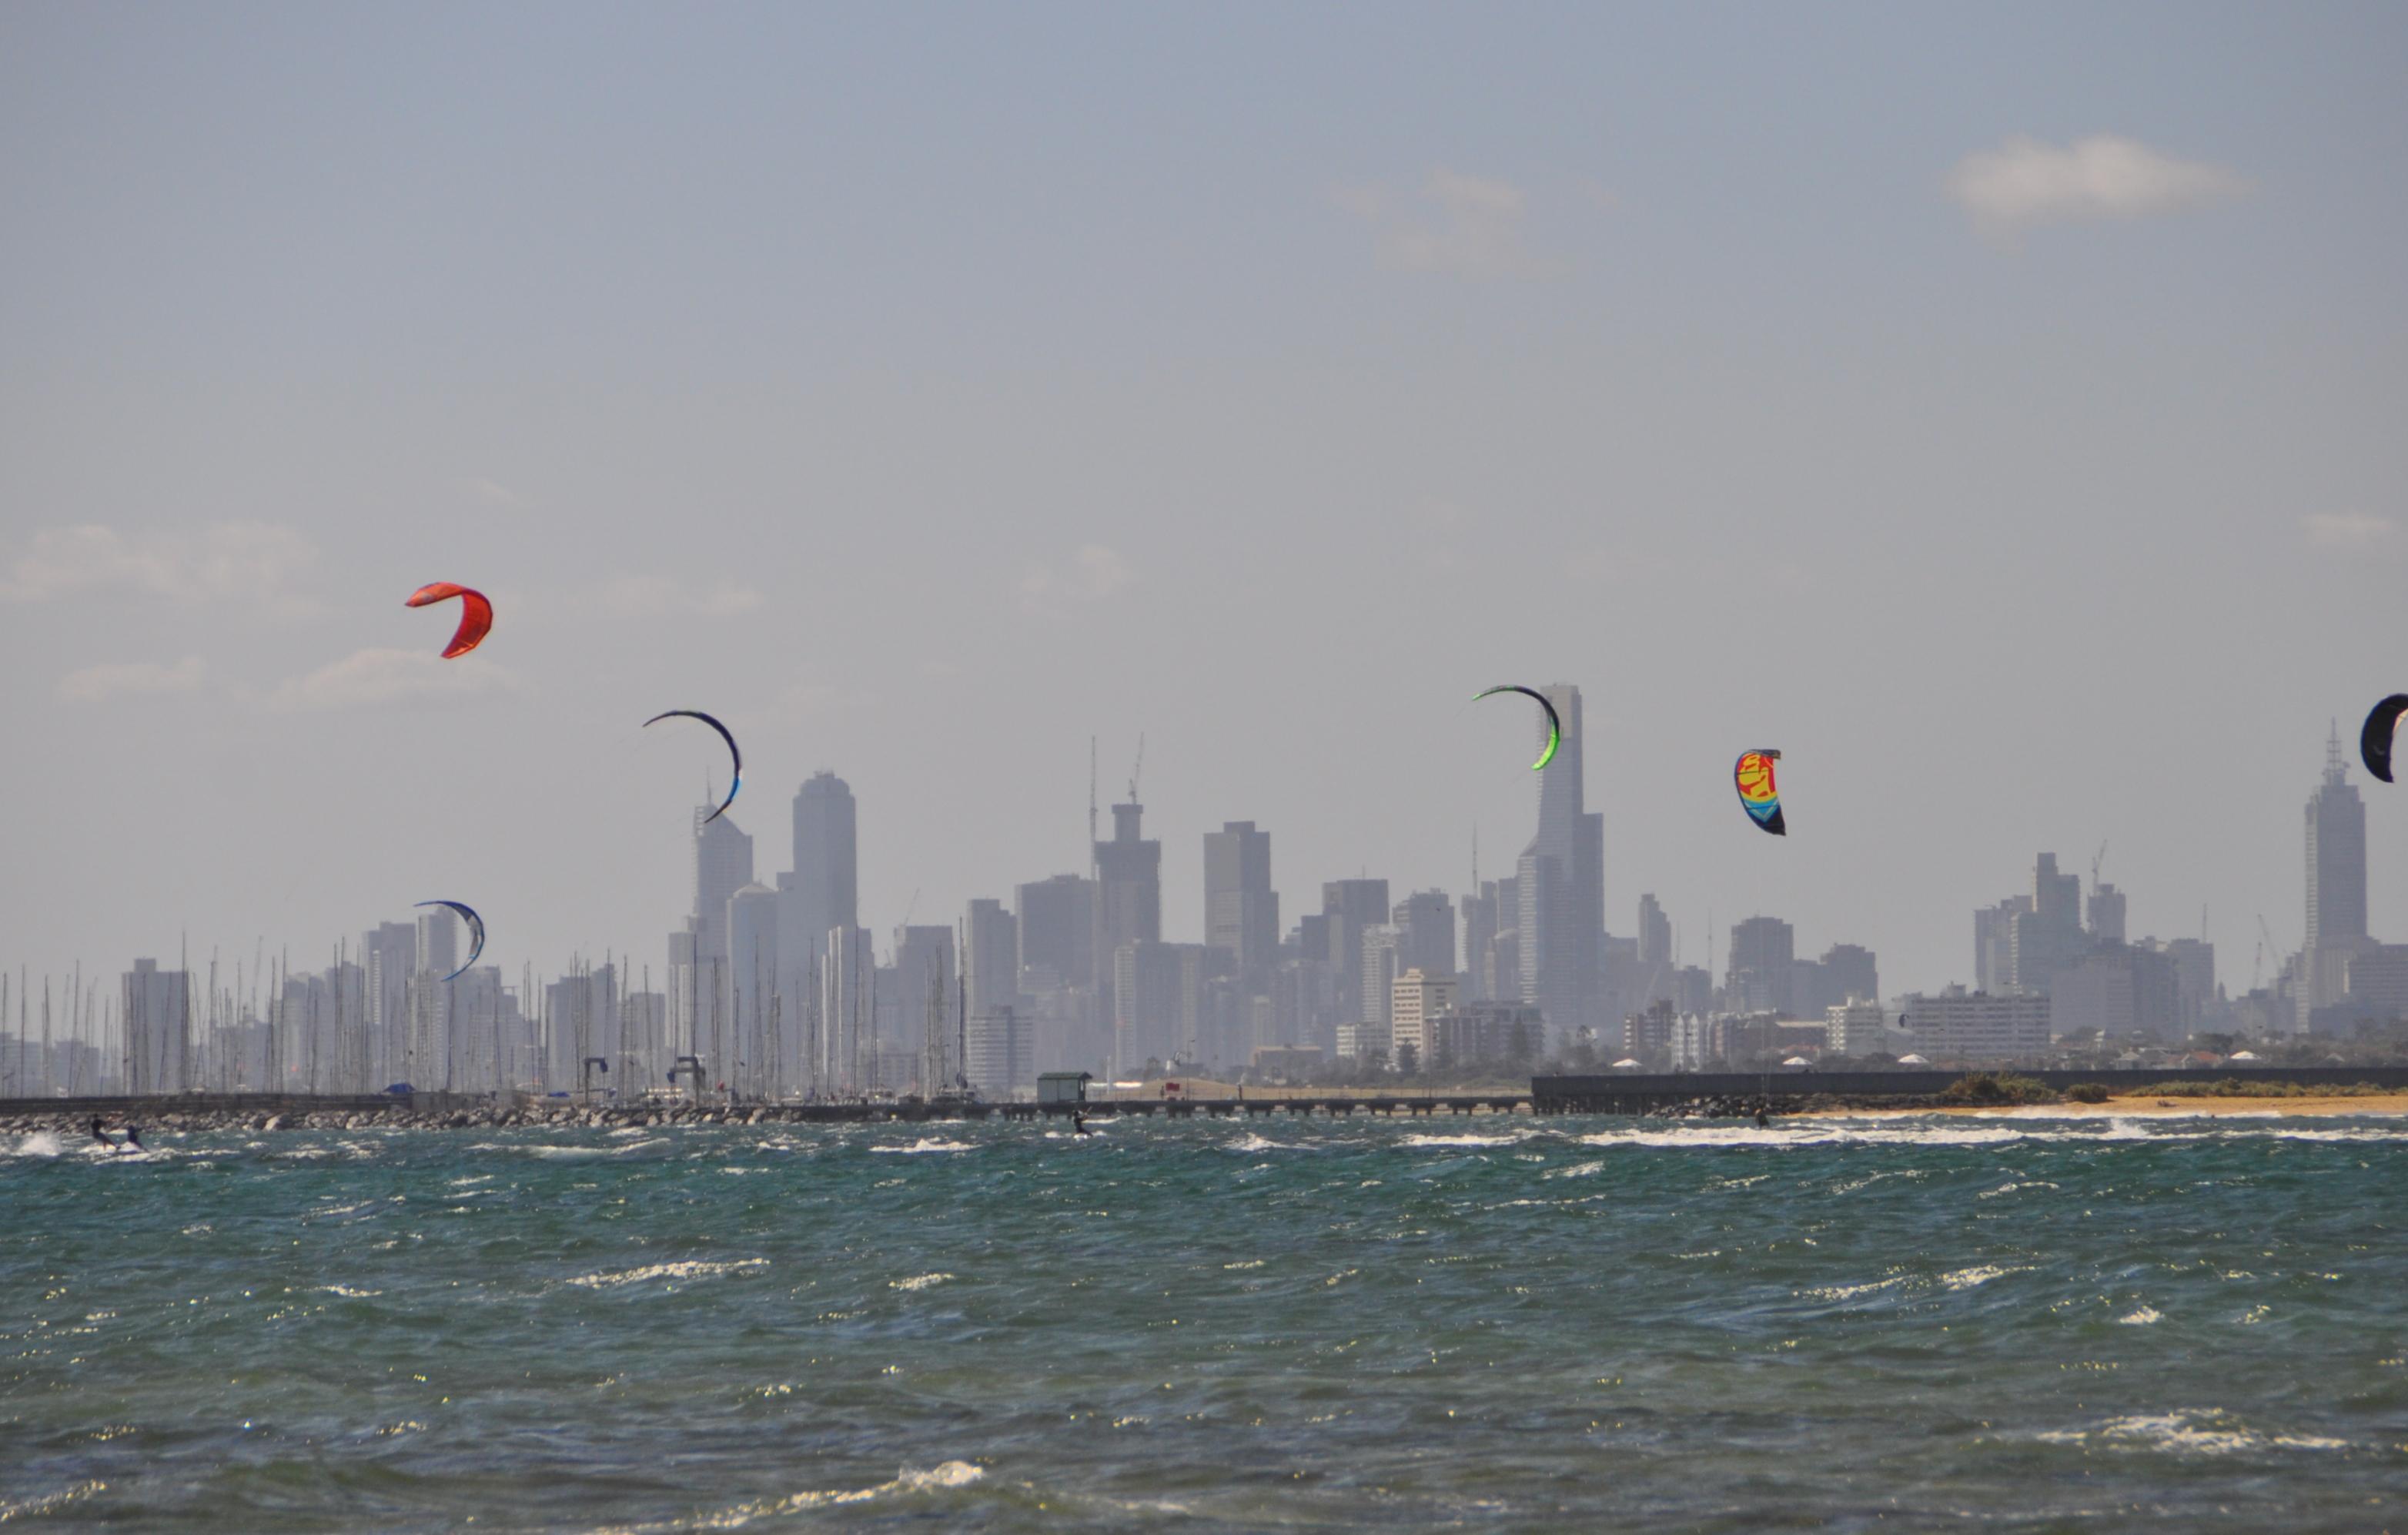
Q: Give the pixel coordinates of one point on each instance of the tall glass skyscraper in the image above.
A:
(2336, 847)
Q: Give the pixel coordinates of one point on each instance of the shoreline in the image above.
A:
(2321, 1106)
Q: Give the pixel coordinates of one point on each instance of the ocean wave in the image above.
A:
(41, 1143)
(917, 1281)
(928, 1144)
(1462, 1139)
(907, 1481)
(691, 1268)
(2141, 1316)
(2188, 1432)
(1979, 1274)
(574, 1154)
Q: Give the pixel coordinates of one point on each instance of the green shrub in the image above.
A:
(2089, 1092)
(1987, 1087)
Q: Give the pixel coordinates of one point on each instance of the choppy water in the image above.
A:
(2015, 1322)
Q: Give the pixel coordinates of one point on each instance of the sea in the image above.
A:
(2009, 1322)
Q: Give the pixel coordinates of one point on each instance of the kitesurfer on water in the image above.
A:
(1079, 1124)
(134, 1136)
(100, 1135)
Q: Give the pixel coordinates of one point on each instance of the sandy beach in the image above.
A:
(2324, 1106)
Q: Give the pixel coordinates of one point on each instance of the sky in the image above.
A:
(1997, 411)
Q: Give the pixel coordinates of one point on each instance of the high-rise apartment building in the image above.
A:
(1417, 999)
(1561, 880)
(1241, 908)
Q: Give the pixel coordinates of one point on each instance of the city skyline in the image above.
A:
(771, 1007)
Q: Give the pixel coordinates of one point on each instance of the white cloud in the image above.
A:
(1467, 225)
(1091, 574)
(94, 684)
(2025, 182)
(372, 677)
(2348, 529)
(255, 562)
(663, 596)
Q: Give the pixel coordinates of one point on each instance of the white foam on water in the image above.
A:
(40, 1143)
(907, 1481)
(572, 1153)
(928, 1144)
(1251, 1142)
(2188, 1432)
(917, 1281)
(1979, 1274)
(1850, 1292)
(1461, 1140)
(2140, 1317)
(347, 1292)
(691, 1269)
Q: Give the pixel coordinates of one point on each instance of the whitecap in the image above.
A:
(691, 1269)
(940, 1478)
(2140, 1317)
(917, 1281)
(1980, 1273)
(928, 1144)
(1460, 1139)
(40, 1143)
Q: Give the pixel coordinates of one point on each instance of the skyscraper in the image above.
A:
(2336, 846)
(822, 890)
(1654, 932)
(1561, 879)
(991, 965)
(156, 1012)
(1240, 908)
(1762, 951)
(1058, 929)
(1128, 895)
(1351, 906)
(1425, 923)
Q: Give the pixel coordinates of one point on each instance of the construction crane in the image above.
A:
(1137, 766)
(2097, 860)
(2267, 947)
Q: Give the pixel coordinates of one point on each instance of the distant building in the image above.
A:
(1856, 1028)
(990, 967)
(1348, 907)
(1978, 1025)
(1654, 933)
(1382, 961)
(1128, 895)
(1157, 999)
(1416, 998)
(1365, 1043)
(822, 892)
(1760, 978)
(2336, 853)
(1850, 974)
(1425, 924)
(1287, 1062)
(2106, 914)
(1057, 927)
(157, 1013)
(1241, 908)
(1000, 1060)
(1561, 883)
(1479, 1033)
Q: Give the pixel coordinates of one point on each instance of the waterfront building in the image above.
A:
(1957, 1025)
(1856, 1028)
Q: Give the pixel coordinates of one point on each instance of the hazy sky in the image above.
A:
(1998, 410)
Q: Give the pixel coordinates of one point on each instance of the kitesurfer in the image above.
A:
(100, 1135)
(134, 1136)
(1079, 1124)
